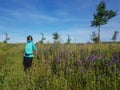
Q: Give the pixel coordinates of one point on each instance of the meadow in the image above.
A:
(61, 67)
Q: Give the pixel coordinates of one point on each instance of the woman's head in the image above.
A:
(29, 38)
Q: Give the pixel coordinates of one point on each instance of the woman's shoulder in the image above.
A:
(32, 42)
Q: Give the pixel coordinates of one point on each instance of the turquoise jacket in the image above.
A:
(29, 48)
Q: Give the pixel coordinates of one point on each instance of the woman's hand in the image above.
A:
(36, 52)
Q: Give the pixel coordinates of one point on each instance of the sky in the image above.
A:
(20, 18)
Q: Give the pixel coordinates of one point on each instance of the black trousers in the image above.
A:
(27, 62)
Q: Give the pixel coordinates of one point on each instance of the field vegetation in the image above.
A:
(61, 67)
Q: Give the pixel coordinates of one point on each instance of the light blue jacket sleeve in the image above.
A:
(34, 47)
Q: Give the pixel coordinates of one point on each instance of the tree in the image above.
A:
(94, 37)
(102, 16)
(42, 39)
(6, 38)
(115, 35)
(56, 37)
(68, 39)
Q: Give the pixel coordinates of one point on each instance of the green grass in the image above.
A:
(62, 67)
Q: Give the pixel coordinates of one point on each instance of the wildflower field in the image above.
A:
(61, 67)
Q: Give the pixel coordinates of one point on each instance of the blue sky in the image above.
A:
(20, 18)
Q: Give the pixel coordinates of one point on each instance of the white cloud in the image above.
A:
(35, 17)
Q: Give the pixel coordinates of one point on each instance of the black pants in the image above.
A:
(27, 62)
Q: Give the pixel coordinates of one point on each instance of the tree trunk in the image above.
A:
(99, 34)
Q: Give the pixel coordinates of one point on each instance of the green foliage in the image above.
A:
(69, 39)
(56, 38)
(115, 35)
(61, 67)
(94, 37)
(42, 39)
(6, 39)
(102, 16)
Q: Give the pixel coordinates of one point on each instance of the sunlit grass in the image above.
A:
(62, 67)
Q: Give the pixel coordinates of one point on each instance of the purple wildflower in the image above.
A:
(58, 59)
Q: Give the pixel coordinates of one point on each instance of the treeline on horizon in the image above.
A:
(57, 39)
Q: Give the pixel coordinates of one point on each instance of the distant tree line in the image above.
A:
(56, 38)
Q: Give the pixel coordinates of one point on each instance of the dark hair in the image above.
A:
(28, 37)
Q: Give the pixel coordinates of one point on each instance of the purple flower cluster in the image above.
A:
(93, 58)
(58, 59)
(85, 61)
(114, 60)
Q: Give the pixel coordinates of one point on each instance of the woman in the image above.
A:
(30, 49)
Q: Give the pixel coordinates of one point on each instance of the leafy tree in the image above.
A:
(42, 39)
(56, 37)
(68, 39)
(115, 35)
(94, 37)
(6, 39)
(102, 16)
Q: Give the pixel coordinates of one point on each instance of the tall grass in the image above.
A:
(62, 67)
